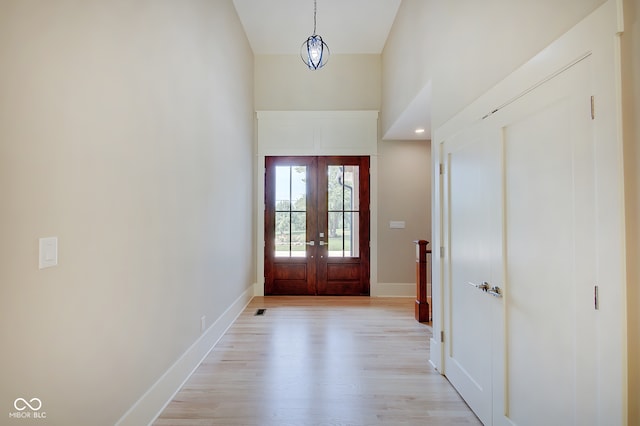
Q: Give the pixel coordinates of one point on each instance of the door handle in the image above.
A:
(495, 291)
(324, 243)
(311, 243)
(484, 286)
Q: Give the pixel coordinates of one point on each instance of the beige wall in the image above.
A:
(631, 117)
(404, 174)
(126, 130)
(407, 58)
(347, 82)
(465, 47)
(121, 124)
(353, 82)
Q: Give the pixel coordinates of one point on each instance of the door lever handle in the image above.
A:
(484, 286)
(323, 243)
(310, 243)
(495, 291)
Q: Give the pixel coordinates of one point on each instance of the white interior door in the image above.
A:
(520, 215)
(472, 199)
(549, 369)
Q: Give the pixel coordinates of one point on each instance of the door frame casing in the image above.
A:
(316, 133)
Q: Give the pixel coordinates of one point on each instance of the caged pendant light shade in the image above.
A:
(314, 51)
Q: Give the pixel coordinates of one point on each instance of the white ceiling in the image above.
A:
(279, 27)
(347, 26)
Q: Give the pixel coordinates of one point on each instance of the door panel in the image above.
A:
(343, 217)
(317, 225)
(290, 221)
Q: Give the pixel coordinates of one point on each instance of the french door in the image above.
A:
(317, 225)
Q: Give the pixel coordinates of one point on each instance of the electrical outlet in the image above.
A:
(203, 323)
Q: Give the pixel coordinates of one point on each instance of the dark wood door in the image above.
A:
(317, 225)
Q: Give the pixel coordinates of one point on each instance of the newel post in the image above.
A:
(422, 304)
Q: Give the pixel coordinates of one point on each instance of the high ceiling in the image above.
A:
(279, 27)
(347, 26)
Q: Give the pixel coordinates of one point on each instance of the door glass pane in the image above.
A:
(283, 234)
(291, 207)
(298, 234)
(283, 188)
(343, 210)
(336, 190)
(299, 188)
(351, 184)
(352, 238)
(336, 243)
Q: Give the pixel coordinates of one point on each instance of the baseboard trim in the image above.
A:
(435, 355)
(157, 397)
(394, 290)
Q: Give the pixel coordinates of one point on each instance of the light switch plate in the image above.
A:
(396, 224)
(48, 252)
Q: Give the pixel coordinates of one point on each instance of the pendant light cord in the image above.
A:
(315, 11)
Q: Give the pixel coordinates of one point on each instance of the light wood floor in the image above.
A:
(320, 361)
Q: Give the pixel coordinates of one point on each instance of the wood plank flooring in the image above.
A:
(320, 361)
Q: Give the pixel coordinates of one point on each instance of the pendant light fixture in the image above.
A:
(314, 51)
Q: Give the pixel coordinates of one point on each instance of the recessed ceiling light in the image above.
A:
(419, 131)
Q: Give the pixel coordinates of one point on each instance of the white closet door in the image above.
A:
(472, 232)
(520, 215)
(549, 366)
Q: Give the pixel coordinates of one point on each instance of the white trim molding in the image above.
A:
(159, 395)
(316, 133)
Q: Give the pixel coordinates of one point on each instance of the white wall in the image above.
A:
(126, 130)
(631, 104)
